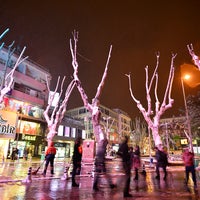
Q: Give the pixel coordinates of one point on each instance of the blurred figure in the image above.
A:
(100, 165)
(76, 158)
(124, 153)
(25, 153)
(188, 159)
(136, 161)
(49, 157)
(162, 162)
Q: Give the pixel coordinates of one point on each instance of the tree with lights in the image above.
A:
(8, 78)
(153, 117)
(93, 107)
(55, 117)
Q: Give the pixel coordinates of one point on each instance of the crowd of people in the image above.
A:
(131, 162)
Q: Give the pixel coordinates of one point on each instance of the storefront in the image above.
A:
(7, 131)
(31, 144)
(64, 150)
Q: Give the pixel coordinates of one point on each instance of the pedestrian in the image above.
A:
(136, 161)
(76, 159)
(162, 162)
(124, 153)
(100, 165)
(188, 159)
(13, 154)
(25, 153)
(49, 158)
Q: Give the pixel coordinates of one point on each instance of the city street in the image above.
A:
(13, 185)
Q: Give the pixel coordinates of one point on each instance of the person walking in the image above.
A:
(100, 165)
(188, 159)
(49, 158)
(162, 162)
(76, 159)
(136, 161)
(124, 153)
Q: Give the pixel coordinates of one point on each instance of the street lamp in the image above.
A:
(187, 77)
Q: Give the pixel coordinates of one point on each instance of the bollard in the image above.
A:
(65, 175)
(28, 178)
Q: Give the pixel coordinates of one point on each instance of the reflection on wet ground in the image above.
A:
(146, 188)
(50, 188)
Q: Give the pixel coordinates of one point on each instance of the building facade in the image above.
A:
(26, 101)
(115, 123)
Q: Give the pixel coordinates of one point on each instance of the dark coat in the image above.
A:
(161, 158)
(77, 155)
(124, 153)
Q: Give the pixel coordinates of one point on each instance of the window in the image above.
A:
(82, 110)
(60, 130)
(73, 132)
(67, 131)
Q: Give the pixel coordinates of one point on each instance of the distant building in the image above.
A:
(172, 130)
(115, 122)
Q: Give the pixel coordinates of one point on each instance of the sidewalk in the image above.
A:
(19, 170)
(146, 188)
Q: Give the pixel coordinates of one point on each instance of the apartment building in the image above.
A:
(25, 102)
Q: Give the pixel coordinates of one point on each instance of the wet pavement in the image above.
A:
(14, 187)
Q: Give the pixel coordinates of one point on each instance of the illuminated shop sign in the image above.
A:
(29, 137)
(7, 124)
(30, 128)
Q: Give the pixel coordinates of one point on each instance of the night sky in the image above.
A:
(136, 29)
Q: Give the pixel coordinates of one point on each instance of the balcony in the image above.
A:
(27, 98)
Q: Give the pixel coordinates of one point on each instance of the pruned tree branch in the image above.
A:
(54, 119)
(195, 58)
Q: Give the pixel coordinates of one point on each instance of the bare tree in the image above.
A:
(153, 121)
(9, 78)
(93, 108)
(195, 58)
(55, 117)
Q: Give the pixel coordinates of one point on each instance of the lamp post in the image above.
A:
(186, 77)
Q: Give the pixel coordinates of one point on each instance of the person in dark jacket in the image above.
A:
(162, 162)
(49, 157)
(124, 153)
(100, 165)
(188, 159)
(76, 159)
